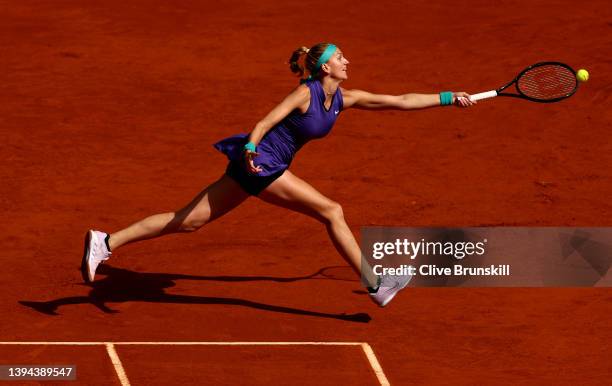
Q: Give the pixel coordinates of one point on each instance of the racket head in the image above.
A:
(547, 82)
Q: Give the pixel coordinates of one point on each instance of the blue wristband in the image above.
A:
(250, 147)
(446, 98)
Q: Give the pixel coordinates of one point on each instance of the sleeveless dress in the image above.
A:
(280, 144)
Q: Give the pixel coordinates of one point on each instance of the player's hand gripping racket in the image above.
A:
(543, 82)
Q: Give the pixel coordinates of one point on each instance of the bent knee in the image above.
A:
(193, 221)
(333, 212)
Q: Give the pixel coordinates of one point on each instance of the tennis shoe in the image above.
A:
(95, 254)
(390, 285)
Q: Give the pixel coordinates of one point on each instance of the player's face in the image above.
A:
(337, 65)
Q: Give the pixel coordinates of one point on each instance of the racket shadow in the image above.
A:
(122, 285)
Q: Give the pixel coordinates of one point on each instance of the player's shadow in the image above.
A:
(122, 285)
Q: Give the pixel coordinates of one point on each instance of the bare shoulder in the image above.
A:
(350, 97)
(297, 97)
(300, 97)
(301, 91)
(345, 92)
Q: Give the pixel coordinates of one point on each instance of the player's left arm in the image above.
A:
(360, 99)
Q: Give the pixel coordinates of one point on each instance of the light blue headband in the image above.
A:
(329, 51)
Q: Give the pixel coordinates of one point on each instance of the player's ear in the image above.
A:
(325, 67)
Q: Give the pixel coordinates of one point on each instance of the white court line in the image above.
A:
(367, 349)
(191, 343)
(55, 343)
(244, 343)
(112, 353)
(382, 378)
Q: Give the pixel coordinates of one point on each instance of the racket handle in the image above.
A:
(483, 95)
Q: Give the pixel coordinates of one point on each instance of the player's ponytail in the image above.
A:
(296, 61)
(303, 61)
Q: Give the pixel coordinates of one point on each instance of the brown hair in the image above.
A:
(305, 59)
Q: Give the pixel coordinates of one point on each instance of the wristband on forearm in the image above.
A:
(250, 147)
(446, 98)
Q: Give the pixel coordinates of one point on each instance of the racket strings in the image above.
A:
(547, 82)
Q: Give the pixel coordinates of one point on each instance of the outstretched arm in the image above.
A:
(364, 100)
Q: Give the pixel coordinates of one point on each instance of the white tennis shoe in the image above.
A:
(390, 285)
(95, 253)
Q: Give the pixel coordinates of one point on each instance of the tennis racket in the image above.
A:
(544, 82)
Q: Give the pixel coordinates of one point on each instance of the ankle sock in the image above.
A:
(106, 239)
(374, 290)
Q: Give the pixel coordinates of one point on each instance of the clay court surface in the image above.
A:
(108, 112)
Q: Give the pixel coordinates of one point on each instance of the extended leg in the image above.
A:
(290, 191)
(214, 201)
(210, 204)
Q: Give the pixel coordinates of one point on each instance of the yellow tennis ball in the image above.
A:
(582, 75)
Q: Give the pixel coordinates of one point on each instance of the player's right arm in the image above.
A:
(297, 99)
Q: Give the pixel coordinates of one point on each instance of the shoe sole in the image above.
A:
(84, 261)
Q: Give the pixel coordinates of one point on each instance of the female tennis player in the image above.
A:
(259, 163)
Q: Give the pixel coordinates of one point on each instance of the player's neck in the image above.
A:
(330, 86)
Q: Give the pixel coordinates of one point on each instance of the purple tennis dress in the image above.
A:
(278, 147)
